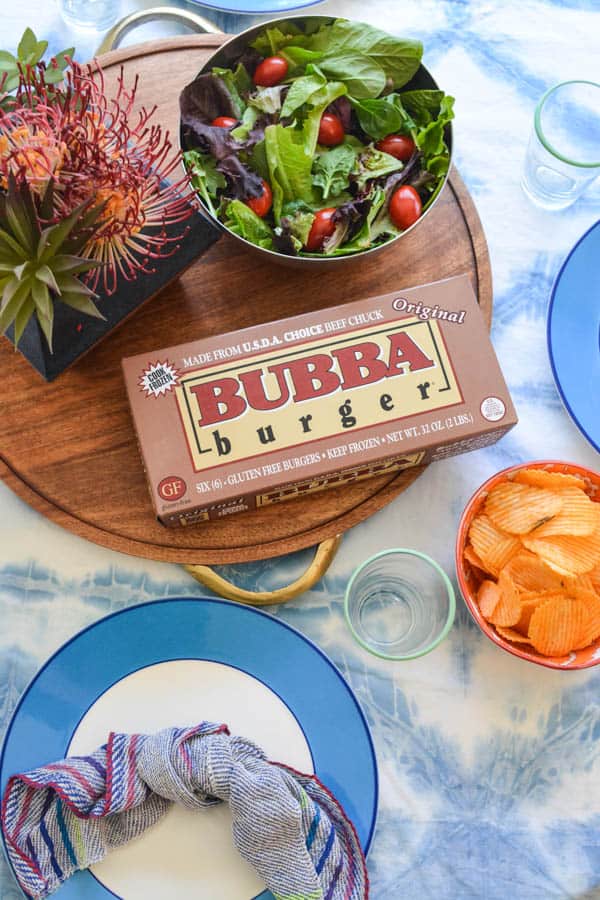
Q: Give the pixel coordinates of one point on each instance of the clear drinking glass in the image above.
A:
(90, 15)
(399, 604)
(563, 155)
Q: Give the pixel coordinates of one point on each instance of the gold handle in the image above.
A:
(118, 31)
(321, 562)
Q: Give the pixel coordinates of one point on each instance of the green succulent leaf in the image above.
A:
(21, 227)
(46, 276)
(27, 45)
(11, 245)
(46, 324)
(69, 285)
(53, 76)
(46, 202)
(8, 63)
(17, 296)
(23, 316)
(41, 298)
(10, 83)
(20, 270)
(82, 304)
(62, 59)
(74, 264)
(9, 290)
(54, 236)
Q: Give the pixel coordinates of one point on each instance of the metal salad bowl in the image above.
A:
(226, 57)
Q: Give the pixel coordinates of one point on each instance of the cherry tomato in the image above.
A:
(270, 71)
(224, 122)
(322, 228)
(331, 130)
(405, 207)
(399, 145)
(261, 205)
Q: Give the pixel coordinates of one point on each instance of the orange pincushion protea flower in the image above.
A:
(99, 150)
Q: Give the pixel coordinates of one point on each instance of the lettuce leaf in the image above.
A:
(290, 163)
(361, 56)
(398, 58)
(348, 220)
(207, 97)
(332, 170)
(238, 82)
(430, 139)
(292, 232)
(367, 234)
(423, 106)
(242, 131)
(361, 74)
(382, 116)
(301, 90)
(268, 99)
(244, 222)
(273, 39)
(290, 151)
(374, 163)
(206, 179)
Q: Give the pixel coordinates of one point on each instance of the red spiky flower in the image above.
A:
(97, 149)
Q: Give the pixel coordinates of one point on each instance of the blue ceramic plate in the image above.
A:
(256, 7)
(175, 662)
(574, 334)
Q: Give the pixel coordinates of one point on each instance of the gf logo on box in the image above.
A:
(172, 488)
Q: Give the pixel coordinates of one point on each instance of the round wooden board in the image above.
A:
(68, 448)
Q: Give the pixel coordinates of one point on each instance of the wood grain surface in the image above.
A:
(69, 449)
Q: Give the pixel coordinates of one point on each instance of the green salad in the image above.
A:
(310, 146)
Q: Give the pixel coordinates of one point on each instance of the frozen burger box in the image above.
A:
(243, 420)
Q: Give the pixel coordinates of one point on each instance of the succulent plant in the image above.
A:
(39, 264)
(30, 53)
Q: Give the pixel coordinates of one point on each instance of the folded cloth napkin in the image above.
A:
(68, 815)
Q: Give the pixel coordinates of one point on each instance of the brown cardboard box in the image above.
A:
(241, 420)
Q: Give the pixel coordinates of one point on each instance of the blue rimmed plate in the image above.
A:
(182, 661)
(574, 334)
(256, 7)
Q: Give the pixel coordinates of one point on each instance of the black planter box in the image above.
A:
(75, 333)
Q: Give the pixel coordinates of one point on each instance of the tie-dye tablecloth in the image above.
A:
(489, 766)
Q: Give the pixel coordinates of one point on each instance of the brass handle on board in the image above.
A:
(319, 565)
(118, 31)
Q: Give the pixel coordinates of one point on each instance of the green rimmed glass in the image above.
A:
(399, 604)
(563, 154)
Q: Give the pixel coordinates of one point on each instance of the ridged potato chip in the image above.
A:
(595, 577)
(511, 635)
(529, 603)
(488, 597)
(565, 554)
(578, 516)
(518, 508)
(591, 628)
(508, 610)
(472, 558)
(554, 481)
(492, 546)
(557, 625)
(578, 583)
(530, 573)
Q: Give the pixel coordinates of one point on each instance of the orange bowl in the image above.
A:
(469, 578)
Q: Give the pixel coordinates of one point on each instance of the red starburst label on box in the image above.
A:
(158, 379)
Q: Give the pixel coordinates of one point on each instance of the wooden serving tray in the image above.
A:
(69, 448)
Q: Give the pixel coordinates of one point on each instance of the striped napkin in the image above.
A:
(68, 815)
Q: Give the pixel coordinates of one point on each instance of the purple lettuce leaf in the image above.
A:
(205, 98)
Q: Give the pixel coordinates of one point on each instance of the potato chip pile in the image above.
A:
(538, 537)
